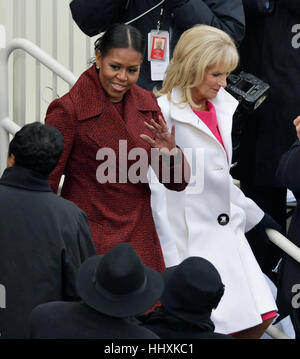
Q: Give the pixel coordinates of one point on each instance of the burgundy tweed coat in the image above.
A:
(117, 212)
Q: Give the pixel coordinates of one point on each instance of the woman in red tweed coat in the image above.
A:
(103, 108)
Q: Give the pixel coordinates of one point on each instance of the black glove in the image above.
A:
(171, 5)
(268, 222)
(266, 253)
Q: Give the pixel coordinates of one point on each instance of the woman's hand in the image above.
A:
(297, 124)
(163, 140)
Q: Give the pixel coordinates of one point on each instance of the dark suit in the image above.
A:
(270, 50)
(44, 239)
(289, 271)
(66, 320)
(269, 130)
(166, 331)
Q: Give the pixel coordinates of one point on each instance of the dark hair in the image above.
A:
(37, 147)
(120, 36)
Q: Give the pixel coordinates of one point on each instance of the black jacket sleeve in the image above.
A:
(223, 14)
(288, 171)
(85, 243)
(261, 245)
(94, 16)
(76, 251)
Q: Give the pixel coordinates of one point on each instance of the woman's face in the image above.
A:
(119, 70)
(214, 79)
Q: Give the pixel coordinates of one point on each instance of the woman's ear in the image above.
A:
(98, 58)
(10, 160)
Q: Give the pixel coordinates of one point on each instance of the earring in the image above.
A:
(97, 68)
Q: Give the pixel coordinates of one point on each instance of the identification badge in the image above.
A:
(158, 43)
(158, 53)
(158, 49)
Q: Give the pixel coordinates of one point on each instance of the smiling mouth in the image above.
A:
(118, 87)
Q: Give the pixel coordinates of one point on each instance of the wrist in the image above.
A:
(173, 157)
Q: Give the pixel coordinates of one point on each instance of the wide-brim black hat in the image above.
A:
(192, 289)
(118, 283)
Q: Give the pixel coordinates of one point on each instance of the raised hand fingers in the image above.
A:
(150, 127)
(163, 123)
(173, 130)
(157, 128)
(148, 139)
(161, 126)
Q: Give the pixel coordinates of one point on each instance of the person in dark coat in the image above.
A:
(270, 50)
(288, 299)
(94, 16)
(108, 122)
(114, 287)
(44, 238)
(193, 289)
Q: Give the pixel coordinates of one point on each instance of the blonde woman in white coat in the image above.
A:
(209, 219)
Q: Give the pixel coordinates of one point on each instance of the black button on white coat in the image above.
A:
(223, 219)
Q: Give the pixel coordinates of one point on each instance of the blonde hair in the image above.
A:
(200, 48)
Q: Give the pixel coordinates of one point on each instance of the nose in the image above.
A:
(122, 75)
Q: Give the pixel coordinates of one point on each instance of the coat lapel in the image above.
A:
(225, 105)
(184, 113)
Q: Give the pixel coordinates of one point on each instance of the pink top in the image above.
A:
(210, 119)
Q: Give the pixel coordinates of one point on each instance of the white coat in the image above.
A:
(194, 222)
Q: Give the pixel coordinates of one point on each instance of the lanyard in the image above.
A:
(146, 12)
(159, 20)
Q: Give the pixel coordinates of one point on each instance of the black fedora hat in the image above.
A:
(192, 289)
(118, 283)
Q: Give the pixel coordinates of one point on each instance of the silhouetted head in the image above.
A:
(36, 147)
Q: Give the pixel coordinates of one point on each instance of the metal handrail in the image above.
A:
(7, 126)
(43, 57)
(10, 126)
(276, 333)
(285, 244)
(293, 251)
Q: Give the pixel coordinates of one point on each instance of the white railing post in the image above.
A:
(4, 136)
(37, 53)
(276, 333)
(285, 244)
(6, 124)
(293, 251)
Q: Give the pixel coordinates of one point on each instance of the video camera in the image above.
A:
(248, 89)
(251, 92)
